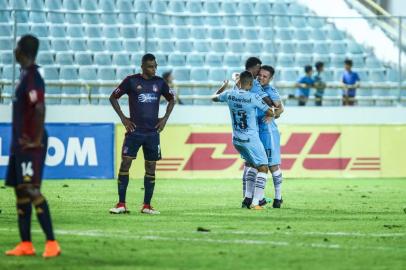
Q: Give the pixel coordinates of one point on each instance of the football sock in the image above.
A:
(244, 180)
(260, 183)
(277, 182)
(250, 182)
(149, 185)
(44, 217)
(24, 210)
(122, 184)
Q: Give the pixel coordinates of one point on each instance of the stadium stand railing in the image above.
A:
(88, 47)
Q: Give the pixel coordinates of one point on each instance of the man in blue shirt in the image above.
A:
(304, 84)
(319, 84)
(269, 133)
(242, 104)
(350, 82)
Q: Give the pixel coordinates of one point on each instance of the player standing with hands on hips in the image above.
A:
(143, 128)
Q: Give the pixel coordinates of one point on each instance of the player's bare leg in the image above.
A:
(260, 183)
(277, 182)
(122, 184)
(149, 186)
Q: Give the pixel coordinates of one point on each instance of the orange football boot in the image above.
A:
(52, 249)
(24, 248)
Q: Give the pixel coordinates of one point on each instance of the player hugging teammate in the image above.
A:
(256, 125)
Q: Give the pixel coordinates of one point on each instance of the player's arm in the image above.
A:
(169, 96)
(216, 95)
(36, 99)
(114, 97)
(279, 109)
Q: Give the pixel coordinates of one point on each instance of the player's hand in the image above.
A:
(129, 125)
(161, 124)
(26, 143)
(225, 83)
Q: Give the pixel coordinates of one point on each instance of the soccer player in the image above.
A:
(242, 104)
(143, 128)
(28, 151)
(319, 84)
(269, 133)
(303, 85)
(350, 81)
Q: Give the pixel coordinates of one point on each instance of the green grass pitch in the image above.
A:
(324, 224)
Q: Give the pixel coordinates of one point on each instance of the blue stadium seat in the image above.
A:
(68, 73)
(161, 19)
(39, 30)
(161, 60)
(377, 76)
(372, 62)
(217, 33)
(279, 8)
(126, 18)
(78, 45)
(106, 74)
(321, 48)
(199, 33)
(264, 21)
(217, 74)
(44, 44)
(198, 21)
(121, 59)
(37, 17)
(124, 5)
(56, 18)
(60, 45)
(90, 5)
(22, 29)
(305, 47)
(184, 46)
(45, 58)
(5, 30)
(102, 59)
(128, 32)
(246, 7)
(132, 45)
(201, 46)
(298, 22)
(181, 74)
(195, 60)
(285, 60)
(250, 34)
(288, 47)
(164, 32)
(282, 22)
(142, 5)
(219, 46)
(73, 18)
(296, 9)
(8, 72)
(214, 60)
(317, 34)
(83, 58)
(75, 31)
(5, 16)
(176, 59)
(181, 32)
(152, 45)
(302, 60)
(6, 58)
(108, 18)
(301, 34)
(87, 73)
(229, 7)
(194, 7)
(337, 61)
(123, 72)
(176, 6)
(355, 48)
(199, 74)
(338, 48)
(95, 45)
(233, 33)
(236, 46)
(316, 22)
(114, 45)
(254, 46)
(247, 21)
(284, 34)
(288, 75)
(64, 58)
(263, 7)
(91, 18)
(212, 7)
(51, 73)
(335, 35)
(71, 4)
(266, 34)
(93, 31)
(166, 46)
(392, 75)
(53, 4)
(179, 21)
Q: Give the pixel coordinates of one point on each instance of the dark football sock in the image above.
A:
(122, 185)
(24, 210)
(44, 217)
(149, 185)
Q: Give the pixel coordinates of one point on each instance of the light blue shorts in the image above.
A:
(272, 144)
(253, 151)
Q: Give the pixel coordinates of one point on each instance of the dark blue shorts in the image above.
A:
(26, 167)
(150, 143)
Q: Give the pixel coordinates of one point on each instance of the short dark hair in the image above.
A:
(148, 57)
(245, 77)
(252, 62)
(308, 68)
(166, 75)
(29, 45)
(348, 62)
(270, 69)
(319, 65)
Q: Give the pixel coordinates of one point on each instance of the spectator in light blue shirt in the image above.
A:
(304, 84)
(350, 82)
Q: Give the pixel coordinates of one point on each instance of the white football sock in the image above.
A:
(260, 184)
(277, 182)
(244, 180)
(250, 182)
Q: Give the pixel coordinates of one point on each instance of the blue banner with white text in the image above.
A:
(75, 151)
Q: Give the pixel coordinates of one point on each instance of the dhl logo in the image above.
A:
(294, 153)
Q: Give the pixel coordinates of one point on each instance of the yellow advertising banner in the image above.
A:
(328, 151)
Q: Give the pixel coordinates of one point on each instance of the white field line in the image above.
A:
(121, 235)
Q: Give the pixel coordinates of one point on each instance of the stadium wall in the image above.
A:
(316, 143)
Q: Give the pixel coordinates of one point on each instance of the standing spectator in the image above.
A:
(168, 78)
(304, 84)
(319, 84)
(350, 83)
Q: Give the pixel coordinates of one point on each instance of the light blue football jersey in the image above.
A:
(273, 94)
(242, 105)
